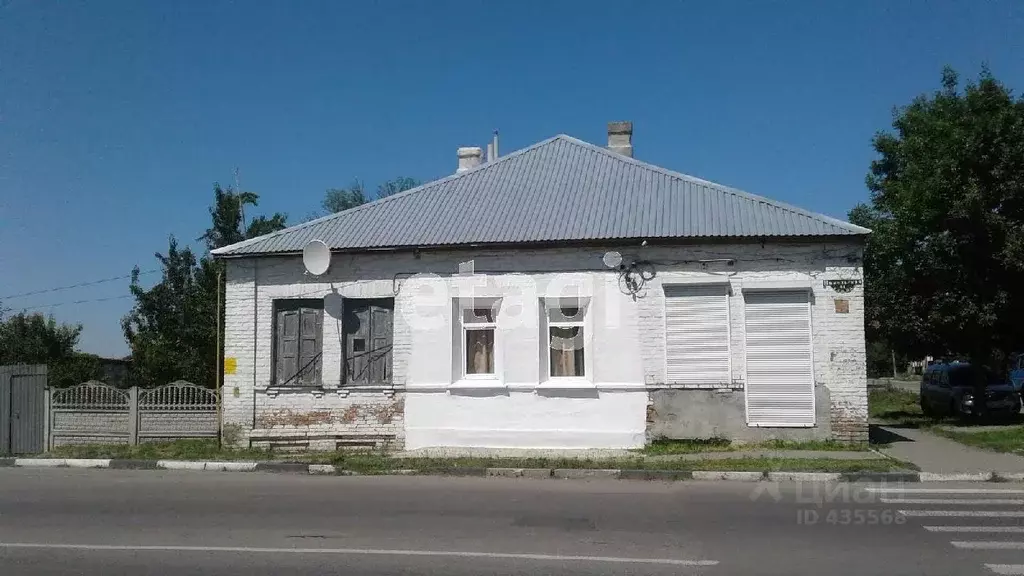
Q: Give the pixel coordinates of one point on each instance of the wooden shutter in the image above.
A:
(381, 333)
(780, 375)
(697, 334)
(311, 330)
(287, 361)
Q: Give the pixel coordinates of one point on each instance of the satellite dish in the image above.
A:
(316, 257)
(612, 259)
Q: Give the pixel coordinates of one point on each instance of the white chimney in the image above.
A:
(620, 138)
(469, 158)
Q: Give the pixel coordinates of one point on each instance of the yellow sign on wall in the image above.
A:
(230, 364)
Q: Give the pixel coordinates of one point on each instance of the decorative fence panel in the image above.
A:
(90, 413)
(178, 410)
(95, 412)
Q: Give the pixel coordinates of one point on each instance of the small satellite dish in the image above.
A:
(316, 257)
(612, 259)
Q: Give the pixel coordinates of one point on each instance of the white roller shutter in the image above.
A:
(697, 333)
(780, 377)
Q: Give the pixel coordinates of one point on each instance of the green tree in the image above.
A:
(945, 264)
(400, 184)
(341, 199)
(172, 327)
(33, 338)
(228, 218)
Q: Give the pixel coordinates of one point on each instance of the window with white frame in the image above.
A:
(565, 338)
(479, 329)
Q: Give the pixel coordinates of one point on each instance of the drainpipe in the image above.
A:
(217, 385)
(255, 330)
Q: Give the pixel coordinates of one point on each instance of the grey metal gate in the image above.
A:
(22, 409)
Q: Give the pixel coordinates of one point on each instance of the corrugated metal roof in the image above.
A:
(560, 189)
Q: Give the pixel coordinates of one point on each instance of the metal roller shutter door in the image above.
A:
(780, 376)
(697, 334)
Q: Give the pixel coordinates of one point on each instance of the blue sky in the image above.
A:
(117, 117)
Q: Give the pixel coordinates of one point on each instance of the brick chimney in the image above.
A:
(620, 138)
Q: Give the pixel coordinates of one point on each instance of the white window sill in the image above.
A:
(567, 384)
(478, 384)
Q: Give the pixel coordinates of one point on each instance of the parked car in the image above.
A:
(1017, 372)
(962, 390)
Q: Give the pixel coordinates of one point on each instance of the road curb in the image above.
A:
(128, 464)
(479, 472)
(730, 475)
(180, 465)
(40, 462)
(87, 463)
(667, 475)
(958, 477)
(584, 473)
(455, 471)
(508, 472)
(283, 467)
(804, 476)
(884, 477)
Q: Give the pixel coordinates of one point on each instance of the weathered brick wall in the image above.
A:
(253, 284)
(358, 419)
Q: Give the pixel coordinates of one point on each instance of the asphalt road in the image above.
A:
(103, 522)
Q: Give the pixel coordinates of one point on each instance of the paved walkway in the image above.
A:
(601, 454)
(801, 454)
(933, 453)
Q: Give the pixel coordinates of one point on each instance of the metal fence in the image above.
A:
(95, 412)
(22, 408)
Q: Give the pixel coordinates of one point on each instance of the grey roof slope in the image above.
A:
(560, 189)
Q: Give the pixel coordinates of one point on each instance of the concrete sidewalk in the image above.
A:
(597, 454)
(794, 454)
(936, 454)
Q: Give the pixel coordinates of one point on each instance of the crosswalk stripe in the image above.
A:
(982, 545)
(955, 501)
(894, 490)
(987, 529)
(1007, 569)
(964, 513)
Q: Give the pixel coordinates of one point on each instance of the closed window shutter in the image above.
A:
(287, 345)
(311, 323)
(697, 334)
(780, 376)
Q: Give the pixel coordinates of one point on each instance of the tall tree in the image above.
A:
(172, 327)
(340, 199)
(945, 264)
(400, 184)
(32, 338)
(228, 218)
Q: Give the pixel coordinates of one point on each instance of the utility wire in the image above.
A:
(79, 285)
(55, 304)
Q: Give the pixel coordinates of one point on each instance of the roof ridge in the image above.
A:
(721, 187)
(386, 199)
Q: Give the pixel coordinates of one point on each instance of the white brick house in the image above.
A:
(610, 302)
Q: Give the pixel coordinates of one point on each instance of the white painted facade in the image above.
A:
(431, 403)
